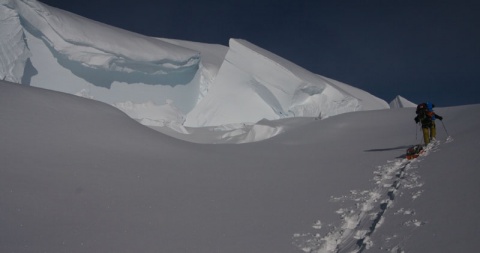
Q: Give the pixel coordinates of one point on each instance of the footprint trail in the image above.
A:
(359, 222)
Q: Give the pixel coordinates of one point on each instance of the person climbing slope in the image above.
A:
(426, 116)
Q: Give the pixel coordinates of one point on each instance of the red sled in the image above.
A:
(414, 152)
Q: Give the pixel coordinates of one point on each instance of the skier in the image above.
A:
(426, 116)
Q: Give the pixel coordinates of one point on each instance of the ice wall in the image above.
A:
(101, 46)
(13, 49)
(253, 84)
(49, 48)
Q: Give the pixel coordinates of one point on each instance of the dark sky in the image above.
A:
(422, 50)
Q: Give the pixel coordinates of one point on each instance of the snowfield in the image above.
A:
(81, 176)
(112, 141)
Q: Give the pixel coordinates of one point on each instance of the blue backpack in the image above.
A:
(430, 109)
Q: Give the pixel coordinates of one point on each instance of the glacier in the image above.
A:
(165, 83)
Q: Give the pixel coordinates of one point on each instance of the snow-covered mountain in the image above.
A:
(152, 78)
(77, 175)
(401, 102)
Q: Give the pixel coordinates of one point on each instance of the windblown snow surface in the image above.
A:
(164, 83)
(81, 176)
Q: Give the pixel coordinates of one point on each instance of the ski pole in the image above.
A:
(444, 128)
(416, 131)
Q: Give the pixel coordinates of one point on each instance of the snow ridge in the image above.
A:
(361, 221)
(401, 102)
(254, 84)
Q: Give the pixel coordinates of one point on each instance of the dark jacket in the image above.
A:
(427, 118)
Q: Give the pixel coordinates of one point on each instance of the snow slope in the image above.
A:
(80, 176)
(149, 78)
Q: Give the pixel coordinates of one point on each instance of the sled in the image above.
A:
(414, 152)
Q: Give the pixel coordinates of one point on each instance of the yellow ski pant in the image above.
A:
(429, 133)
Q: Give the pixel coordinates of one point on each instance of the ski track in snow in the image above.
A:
(359, 222)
